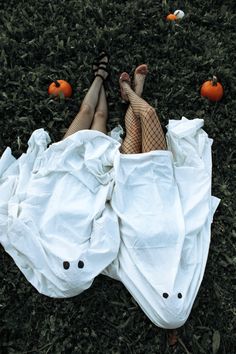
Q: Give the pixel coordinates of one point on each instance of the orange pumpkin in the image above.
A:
(212, 89)
(60, 86)
(171, 17)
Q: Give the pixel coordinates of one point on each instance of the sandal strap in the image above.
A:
(100, 76)
(102, 67)
(103, 62)
(102, 55)
(95, 62)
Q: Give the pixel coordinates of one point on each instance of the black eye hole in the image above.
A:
(179, 295)
(66, 265)
(80, 264)
(165, 295)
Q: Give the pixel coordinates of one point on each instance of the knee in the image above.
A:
(150, 111)
(100, 115)
(86, 109)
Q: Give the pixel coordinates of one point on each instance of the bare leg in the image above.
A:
(83, 119)
(153, 137)
(101, 113)
(132, 143)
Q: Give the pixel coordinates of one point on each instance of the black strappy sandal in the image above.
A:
(102, 66)
(98, 61)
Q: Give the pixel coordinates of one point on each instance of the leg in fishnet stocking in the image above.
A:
(153, 137)
(132, 143)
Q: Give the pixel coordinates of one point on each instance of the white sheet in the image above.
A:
(54, 218)
(57, 223)
(164, 202)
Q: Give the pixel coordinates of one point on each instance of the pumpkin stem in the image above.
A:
(214, 81)
(56, 83)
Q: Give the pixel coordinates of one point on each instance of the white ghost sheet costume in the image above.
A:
(164, 202)
(55, 221)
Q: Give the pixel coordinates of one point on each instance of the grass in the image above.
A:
(45, 40)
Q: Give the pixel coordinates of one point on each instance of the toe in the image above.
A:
(142, 69)
(125, 77)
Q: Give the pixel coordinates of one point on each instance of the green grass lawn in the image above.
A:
(44, 40)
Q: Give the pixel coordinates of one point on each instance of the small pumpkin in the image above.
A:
(212, 89)
(58, 87)
(171, 17)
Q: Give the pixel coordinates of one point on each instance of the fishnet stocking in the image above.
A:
(132, 143)
(153, 137)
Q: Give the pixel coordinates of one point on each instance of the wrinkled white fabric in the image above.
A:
(154, 237)
(53, 209)
(164, 202)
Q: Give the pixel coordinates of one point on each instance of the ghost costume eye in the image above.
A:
(165, 295)
(179, 295)
(80, 264)
(66, 265)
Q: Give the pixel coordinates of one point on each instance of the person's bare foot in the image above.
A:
(139, 78)
(124, 81)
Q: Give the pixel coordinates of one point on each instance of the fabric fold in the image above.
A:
(55, 220)
(79, 207)
(165, 222)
